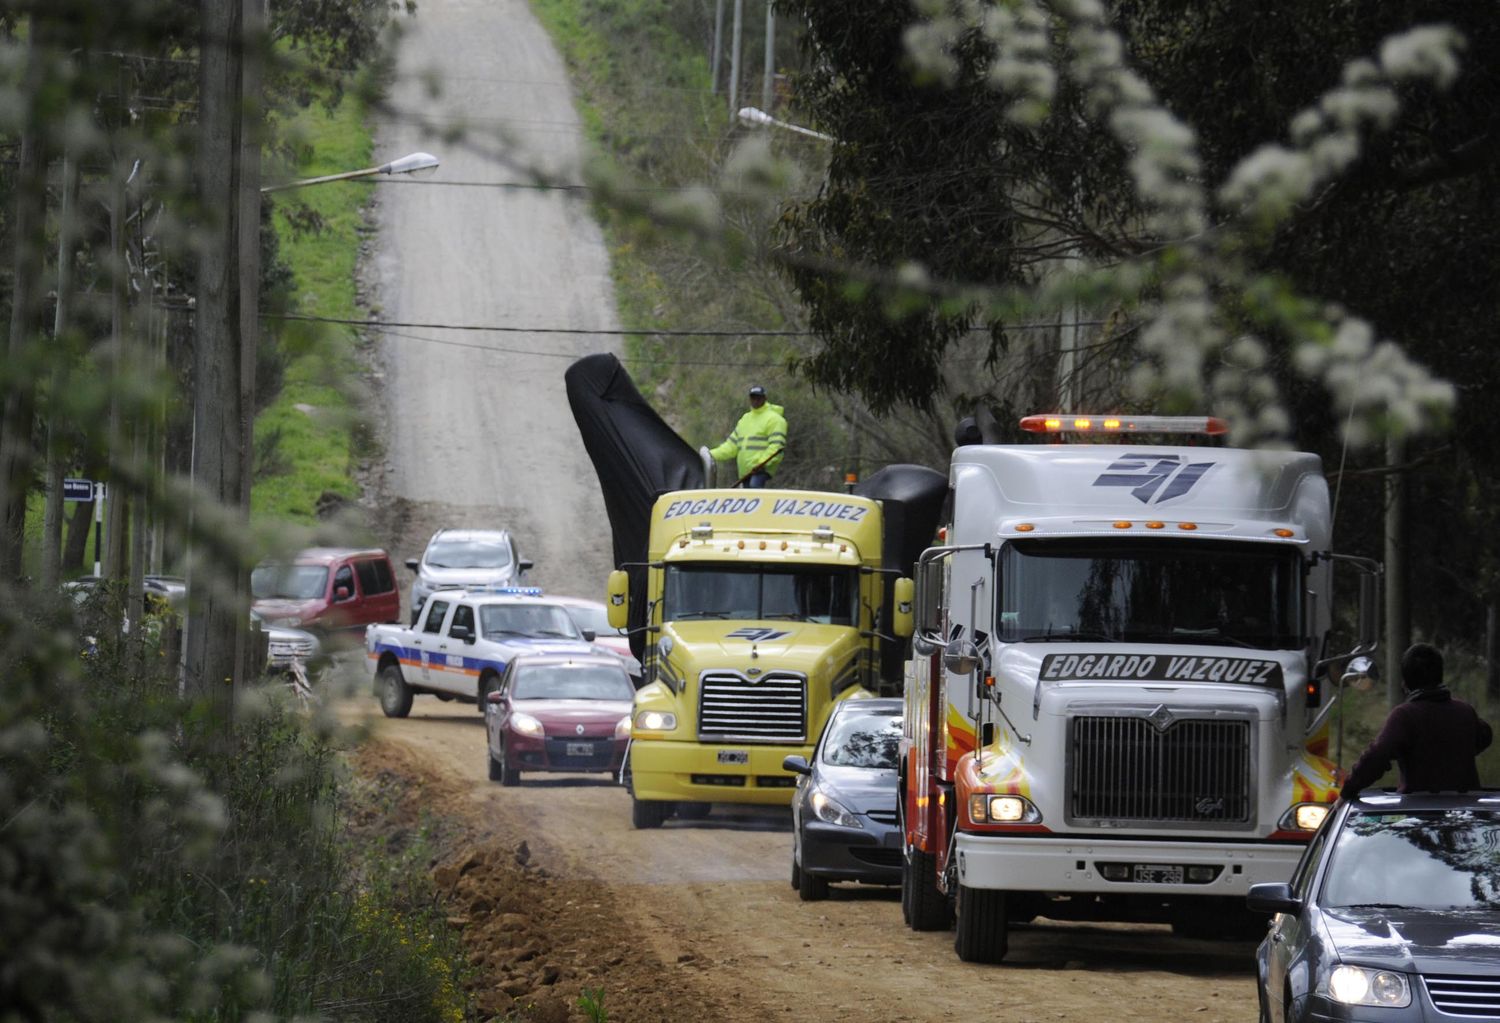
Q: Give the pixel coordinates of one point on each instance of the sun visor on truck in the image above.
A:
(636, 456)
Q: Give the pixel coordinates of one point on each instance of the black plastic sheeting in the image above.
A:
(637, 457)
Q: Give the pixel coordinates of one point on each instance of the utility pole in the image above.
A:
(734, 56)
(219, 462)
(1397, 617)
(768, 73)
(717, 57)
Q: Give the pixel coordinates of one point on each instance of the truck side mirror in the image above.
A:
(589, 635)
(525, 565)
(413, 564)
(617, 601)
(961, 657)
(902, 618)
(1369, 610)
(1360, 673)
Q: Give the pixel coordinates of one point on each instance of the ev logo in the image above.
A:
(1147, 475)
(757, 635)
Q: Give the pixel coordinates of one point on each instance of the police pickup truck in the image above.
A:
(461, 643)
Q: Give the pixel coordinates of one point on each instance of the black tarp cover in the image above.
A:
(637, 458)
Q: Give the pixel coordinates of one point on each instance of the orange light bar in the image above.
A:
(1076, 423)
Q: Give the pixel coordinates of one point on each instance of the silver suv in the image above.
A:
(462, 558)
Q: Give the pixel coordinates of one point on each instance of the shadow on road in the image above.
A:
(1045, 945)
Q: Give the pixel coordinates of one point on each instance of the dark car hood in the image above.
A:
(561, 714)
(1413, 940)
(861, 789)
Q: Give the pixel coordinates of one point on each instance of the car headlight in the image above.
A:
(655, 721)
(622, 727)
(1356, 985)
(831, 811)
(988, 808)
(525, 724)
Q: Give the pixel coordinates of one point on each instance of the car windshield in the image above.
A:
(472, 553)
(588, 616)
(863, 740)
(1438, 860)
(1150, 592)
(572, 682)
(805, 594)
(289, 582)
(498, 621)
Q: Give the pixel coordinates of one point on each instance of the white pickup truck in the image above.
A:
(462, 642)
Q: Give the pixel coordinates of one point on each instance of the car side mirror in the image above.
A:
(342, 593)
(413, 564)
(462, 632)
(494, 698)
(526, 564)
(1360, 673)
(797, 764)
(1274, 897)
(588, 635)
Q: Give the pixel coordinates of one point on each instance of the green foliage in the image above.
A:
(592, 1004)
(156, 864)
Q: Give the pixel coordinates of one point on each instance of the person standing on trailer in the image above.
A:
(757, 443)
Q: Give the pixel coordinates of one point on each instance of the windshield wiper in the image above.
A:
(1195, 635)
(785, 616)
(700, 614)
(554, 632)
(1374, 905)
(1070, 637)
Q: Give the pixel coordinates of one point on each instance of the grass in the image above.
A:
(315, 417)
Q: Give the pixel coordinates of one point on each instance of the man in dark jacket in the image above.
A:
(1433, 737)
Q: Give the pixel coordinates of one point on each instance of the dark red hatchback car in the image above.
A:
(327, 589)
(559, 712)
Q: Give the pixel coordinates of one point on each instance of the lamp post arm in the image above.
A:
(406, 165)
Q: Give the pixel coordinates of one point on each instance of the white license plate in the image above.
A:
(1157, 873)
(580, 749)
(734, 756)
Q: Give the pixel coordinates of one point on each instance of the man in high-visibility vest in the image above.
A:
(758, 441)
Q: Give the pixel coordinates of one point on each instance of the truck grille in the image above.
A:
(1475, 997)
(1190, 772)
(771, 708)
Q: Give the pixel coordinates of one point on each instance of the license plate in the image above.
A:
(1157, 873)
(580, 749)
(734, 756)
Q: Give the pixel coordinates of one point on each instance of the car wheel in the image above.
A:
(649, 813)
(796, 873)
(811, 888)
(395, 695)
(489, 682)
(693, 811)
(982, 935)
(445, 697)
(510, 777)
(496, 768)
(929, 908)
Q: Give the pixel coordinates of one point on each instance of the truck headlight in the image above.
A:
(622, 727)
(1356, 985)
(988, 808)
(831, 811)
(525, 724)
(1305, 817)
(655, 721)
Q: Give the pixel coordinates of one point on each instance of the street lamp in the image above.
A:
(753, 115)
(412, 164)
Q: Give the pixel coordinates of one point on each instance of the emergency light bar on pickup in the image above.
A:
(1076, 423)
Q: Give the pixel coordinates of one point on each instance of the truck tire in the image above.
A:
(693, 811)
(927, 908)
(395, 695)
(811, 888)
(983, 933)
(649, 813)
(488, 683)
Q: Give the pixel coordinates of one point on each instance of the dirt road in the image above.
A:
(698, 920)
(554, 891)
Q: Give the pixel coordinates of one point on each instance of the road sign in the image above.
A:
(78, 490)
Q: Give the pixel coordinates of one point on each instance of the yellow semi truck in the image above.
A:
(762, 610)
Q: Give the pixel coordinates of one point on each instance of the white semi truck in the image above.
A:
(1118, 706)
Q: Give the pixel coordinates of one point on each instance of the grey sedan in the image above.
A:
(1392, 915)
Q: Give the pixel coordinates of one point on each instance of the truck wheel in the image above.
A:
(395, 696)
(811, 888)
(488, 683)
(927, 908)
(649, 813)
(982, 935)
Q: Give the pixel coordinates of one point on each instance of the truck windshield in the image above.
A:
(802, 594)
(1150, 592)
(499, 621)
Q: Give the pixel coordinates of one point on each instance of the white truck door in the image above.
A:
(427, 637)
